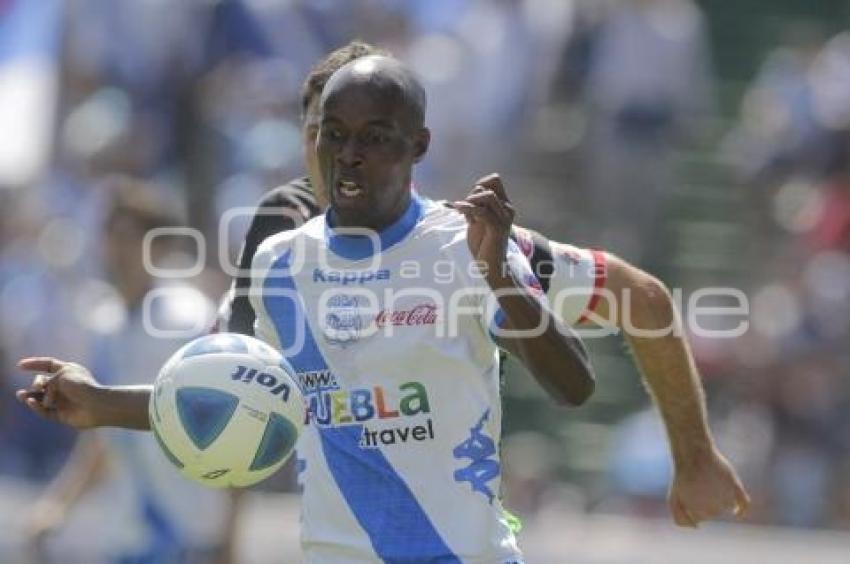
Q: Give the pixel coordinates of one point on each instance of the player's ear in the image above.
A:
(420, 143)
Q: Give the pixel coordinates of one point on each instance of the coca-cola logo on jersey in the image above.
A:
(422, 314)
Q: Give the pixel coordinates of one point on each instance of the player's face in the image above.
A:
(309, 132)
(366, 151)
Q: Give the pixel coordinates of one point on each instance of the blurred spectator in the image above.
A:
(649, 89)
(777, 129)
(158, 508)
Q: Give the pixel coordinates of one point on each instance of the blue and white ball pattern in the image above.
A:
(226, 410)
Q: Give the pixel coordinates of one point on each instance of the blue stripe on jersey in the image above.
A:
(354, 247)
(498, 323)
(384, 506)
(398, 528)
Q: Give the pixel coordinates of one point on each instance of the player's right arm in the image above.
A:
(66, 392)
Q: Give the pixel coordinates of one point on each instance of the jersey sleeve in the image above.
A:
(262, 326)
(494, 317)
(571, 277)
(578, 276)
(276, 212)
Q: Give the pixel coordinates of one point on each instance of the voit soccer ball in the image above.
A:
(226, 410)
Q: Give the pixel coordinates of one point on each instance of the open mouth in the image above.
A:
(349, 189)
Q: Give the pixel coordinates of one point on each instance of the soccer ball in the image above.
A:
(226, 410)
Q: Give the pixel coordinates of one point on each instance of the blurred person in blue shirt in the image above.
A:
(170, 518)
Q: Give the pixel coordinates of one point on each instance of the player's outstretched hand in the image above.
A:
(61, 391)
(709, 488)
(490, 215)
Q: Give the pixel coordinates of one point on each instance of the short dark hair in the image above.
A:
(318, 77)
(391, 78)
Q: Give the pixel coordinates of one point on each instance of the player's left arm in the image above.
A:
(704, 485)
(555, 356)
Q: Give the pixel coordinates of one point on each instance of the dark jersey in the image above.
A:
(281, 209)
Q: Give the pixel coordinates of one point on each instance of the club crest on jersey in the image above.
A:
(344, 321)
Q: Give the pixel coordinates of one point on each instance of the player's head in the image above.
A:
(371, 133)
(133, 210)
(311, 92)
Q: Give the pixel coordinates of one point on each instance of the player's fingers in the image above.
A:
(465, 207)
(50, 393)
(502, 210)
(494, 182)
(490, 217)
(742, 500)
(23, 395)
(487, 178)
(485, 201)
(489, 200)
(468, 210)
(680, 515)
(508, 211)
(41, 364)
(485, 206)
(39, 383)
(480, 193)
(42, 390)
(38, 408)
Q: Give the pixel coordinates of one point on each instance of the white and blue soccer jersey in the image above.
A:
(394, 354)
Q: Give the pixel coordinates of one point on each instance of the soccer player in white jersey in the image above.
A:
(400, 365)
(704, 485)
(401, 453)
(586, 288)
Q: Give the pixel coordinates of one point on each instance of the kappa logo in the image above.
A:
(483, 465)
(346, 277)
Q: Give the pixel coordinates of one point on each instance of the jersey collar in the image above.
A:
(359, 247)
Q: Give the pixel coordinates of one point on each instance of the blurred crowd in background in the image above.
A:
(622, 124)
